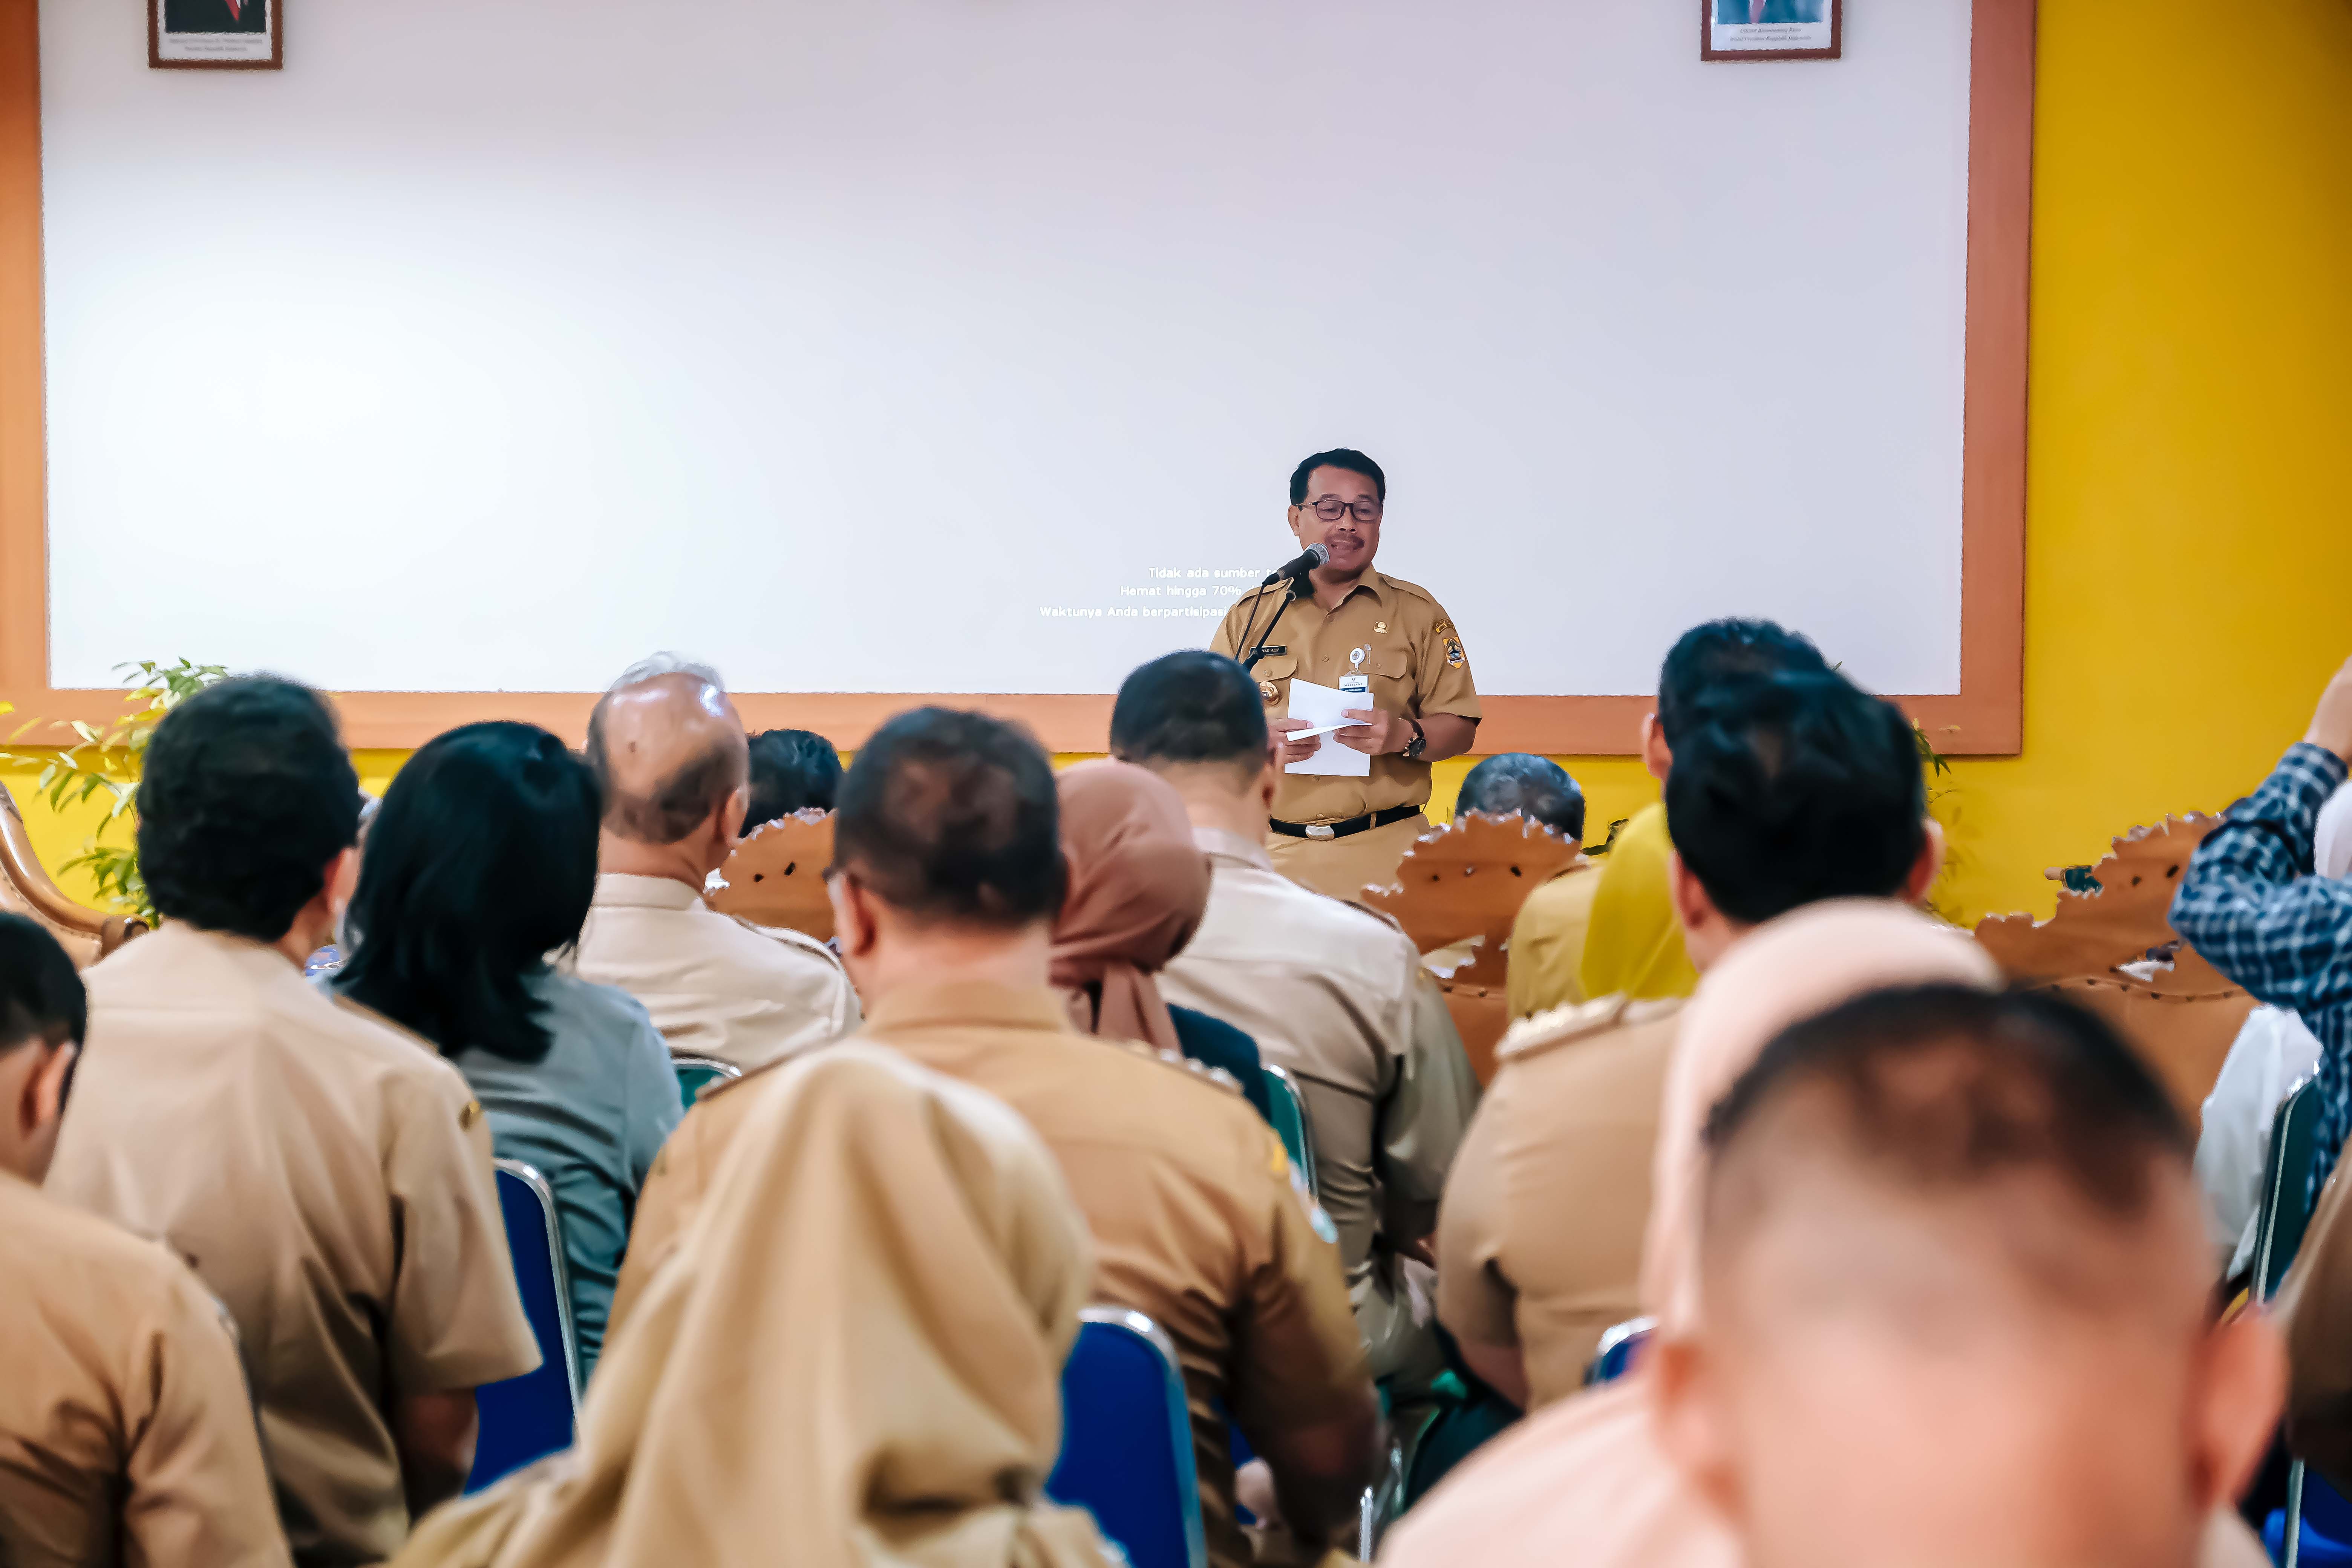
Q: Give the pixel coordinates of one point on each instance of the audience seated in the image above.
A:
(1547, 945)
(791, 770)
(1955, 1302)
(669, 753)
(1586, 1480)
(1635, 948)
(327, 1176)
(481, 864)
(125, 1431)
(1330, 991)
(1789, 790)
(2252, 905)
(853, 1359)
(947, 879)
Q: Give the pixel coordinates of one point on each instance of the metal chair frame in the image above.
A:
(529, 1175)
(727, 1071)
(1180, 1419)
(1287, 1086)
(1612, 1338)
(2277, 1172)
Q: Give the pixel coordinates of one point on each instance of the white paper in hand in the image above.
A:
(1320, 706)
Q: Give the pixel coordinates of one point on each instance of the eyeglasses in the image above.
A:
(1329, 507)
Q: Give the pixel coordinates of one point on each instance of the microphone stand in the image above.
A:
(1297, 591)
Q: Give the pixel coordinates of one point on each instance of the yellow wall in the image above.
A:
(2188, 580)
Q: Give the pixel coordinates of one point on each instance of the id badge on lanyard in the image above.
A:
(1356, 680)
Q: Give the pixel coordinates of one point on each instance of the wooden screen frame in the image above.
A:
(1986, 718)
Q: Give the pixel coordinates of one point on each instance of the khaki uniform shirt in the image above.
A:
(125, 1432)
(1416, 667)
(1547, 942)
(1335, 994)
(717, 986)
(1196, 1221)
(328, 1177)
(1539, 1241)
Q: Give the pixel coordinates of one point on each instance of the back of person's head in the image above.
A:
(1956, 1305)
(1789, 789)
(246, 799)
(44, 1014)
(1529, 785)
(481, 862)
(1343, 458)
(667, 750)
(953, 817)
(791, 770)
(1191, 709)
(1728, 652)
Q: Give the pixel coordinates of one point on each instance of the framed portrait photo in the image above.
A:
(1771, 29)
(215, 35)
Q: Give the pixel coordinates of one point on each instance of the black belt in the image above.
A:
(1342, 829)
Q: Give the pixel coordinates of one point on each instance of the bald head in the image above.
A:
(670, 753)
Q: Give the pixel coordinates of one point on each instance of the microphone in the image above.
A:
(1309, 559)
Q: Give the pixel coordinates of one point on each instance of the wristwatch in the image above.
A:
(1419, 743)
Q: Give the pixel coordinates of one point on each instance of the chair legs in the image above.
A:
(1381, 1500)
(2291, 1547)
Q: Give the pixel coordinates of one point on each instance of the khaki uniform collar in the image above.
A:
(970, 1004)
(1375, 583)
(1221, 845)
(620, 889)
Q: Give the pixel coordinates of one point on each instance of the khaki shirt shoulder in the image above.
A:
(714, 986)
(125, 1428)
(329, 1177)
(1568, 1126)
(1413, 660)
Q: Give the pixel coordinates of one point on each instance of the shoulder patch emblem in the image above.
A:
(1454, 657)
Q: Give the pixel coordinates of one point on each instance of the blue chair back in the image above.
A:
(1290, 1124)
(1126, 1440)
(696, 1074)
(530, 1416)
(1619, 1348)
(2285, 1211)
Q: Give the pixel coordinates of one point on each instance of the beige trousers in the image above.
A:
(1341, 867)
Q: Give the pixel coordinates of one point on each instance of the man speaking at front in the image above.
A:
(1353, 628)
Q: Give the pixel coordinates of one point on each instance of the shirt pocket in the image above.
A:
(1390, 669)
(1275, 671)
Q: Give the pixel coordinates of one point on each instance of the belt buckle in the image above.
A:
(1320, 830)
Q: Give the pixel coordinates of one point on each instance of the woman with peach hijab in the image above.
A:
(853, 1360)
(1138, 886)
(1588, 1482)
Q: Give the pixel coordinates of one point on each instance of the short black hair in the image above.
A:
(247, 796)
(1523, 782)
(2018, 1081)
(1190, 707)
(1346, 458)
(953, 817)
(481, 862)
(41, 997)
(1728, 650)
(791, 770)
(1789, 789)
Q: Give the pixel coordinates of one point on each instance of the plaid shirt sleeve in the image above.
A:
(2250, 904)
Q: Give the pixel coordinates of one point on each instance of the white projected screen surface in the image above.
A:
(967, 345)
